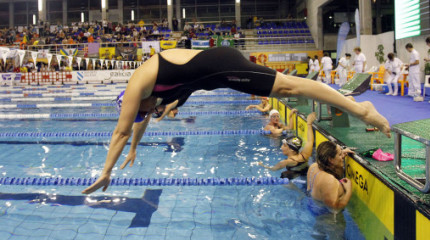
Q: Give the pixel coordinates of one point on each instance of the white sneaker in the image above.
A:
(388, 94)
(395, 94)
(418, 99)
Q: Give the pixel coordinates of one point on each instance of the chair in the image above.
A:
(377, 76)
(333, 75)
(426, 84)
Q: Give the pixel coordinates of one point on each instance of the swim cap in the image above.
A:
(273, 112)
(295, 143)
(118, 106)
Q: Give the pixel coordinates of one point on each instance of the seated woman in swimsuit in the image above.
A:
(297, 161)
(275, 126)
(168, 75)
(263, 107)
(330, 192)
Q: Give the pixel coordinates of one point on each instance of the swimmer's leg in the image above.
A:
(287, 86)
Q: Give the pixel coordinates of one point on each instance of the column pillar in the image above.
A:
(11, 15)
(320, 36)
(365, 7)
(64, 12)
(170, 13)
(237, 13)
(378, 17)
(104, 9)
(178, 13)
(121, 11)
(41, 6)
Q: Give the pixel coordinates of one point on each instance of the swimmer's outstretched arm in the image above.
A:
(307, 149)
(138, 131)
(280, 165)
(287, 86)
(169, 108)
(139, 87)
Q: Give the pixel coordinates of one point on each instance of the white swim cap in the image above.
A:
(273, 112)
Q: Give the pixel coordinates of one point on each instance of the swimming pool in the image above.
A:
(156, 212)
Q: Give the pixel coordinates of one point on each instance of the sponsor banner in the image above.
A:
(93, 50)
(10, 78)
(283, 60)
(302, 129)
(200, 44)
(169, 44)
(127, 53)
(376, 195)
(99, 76)
(68, 51)
(146, 46)
(106, 52)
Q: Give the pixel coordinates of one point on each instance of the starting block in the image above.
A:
(420, 132)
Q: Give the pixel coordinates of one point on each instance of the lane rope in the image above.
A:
(101, 116)
(149, 134)
(111, 103)
(236, 181)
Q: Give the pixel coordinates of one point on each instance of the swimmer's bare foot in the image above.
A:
(374, 118)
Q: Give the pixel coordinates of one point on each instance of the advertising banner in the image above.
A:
(105, 76)
(169, 44)
(200, 44)
(106, 52)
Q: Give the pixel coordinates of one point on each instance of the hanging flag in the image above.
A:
(21, 54)
(357, 26)
(341, 38)
(78, 60)
(69, 51)
(58, 59)
(34, 57)
(49, 57)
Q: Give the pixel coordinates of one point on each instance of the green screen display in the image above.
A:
(408, 19)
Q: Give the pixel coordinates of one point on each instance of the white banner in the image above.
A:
(58, 59)
(87, 61)
(70, 60)
(49, 57)
(34, 57)
(21, 54)
(105, 76)
(79, 60)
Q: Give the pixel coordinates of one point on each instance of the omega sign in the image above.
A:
(357, 177)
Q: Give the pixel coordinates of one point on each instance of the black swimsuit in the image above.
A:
(221, 67)
(300, 169)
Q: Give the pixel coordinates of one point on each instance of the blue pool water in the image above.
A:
(174, 212)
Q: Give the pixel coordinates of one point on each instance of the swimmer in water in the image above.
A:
(297, 161)
(330, 192)
(275, 126)
(168, 75)
(263, 107)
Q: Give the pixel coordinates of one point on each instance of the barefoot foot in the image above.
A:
(374, 118)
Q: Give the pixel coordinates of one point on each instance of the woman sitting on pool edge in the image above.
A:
(168, 75)
(297, 161)
(330, 192)
(275, 126)
(264, 107)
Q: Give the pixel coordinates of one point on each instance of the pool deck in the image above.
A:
(407, 202)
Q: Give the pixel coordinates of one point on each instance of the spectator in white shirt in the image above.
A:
(316, 64)
(327, 66)
(311, 65)
(393, 67)
(414, 74)
(343, 68)
(360, 61)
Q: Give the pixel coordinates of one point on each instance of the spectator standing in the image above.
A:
(359, 61)
(414, 73)
(342, 69)
(327, 65)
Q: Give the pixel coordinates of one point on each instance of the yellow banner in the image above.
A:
(106, 52)
(302, 129)
(376, 195)
(169, 44)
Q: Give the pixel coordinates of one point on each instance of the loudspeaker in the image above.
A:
(357, 85)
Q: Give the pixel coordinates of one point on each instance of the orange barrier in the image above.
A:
(38, 78)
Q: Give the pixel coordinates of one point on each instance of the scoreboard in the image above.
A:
(412, 18)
